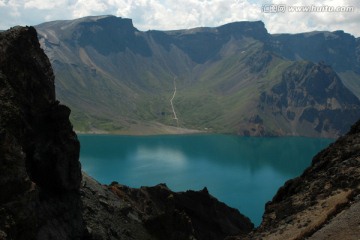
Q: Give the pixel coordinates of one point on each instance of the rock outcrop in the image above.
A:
(322, 203)
(44, 195)
(39, 157)
(183, 215)
(31, 115)
(312, 100)
(120, 212)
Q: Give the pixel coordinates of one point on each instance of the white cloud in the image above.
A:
(43, 5)
(294, 22)
(88, 7)
(174, 14)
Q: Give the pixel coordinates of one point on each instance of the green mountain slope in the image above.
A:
(121, 80)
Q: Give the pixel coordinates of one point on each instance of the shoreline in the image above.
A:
(158, 129)
(151, 129)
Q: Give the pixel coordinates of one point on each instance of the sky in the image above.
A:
(279, 16)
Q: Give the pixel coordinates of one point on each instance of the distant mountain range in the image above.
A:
(236, 78)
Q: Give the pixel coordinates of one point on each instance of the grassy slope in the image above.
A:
(227, 93)
(219, 96)
(123, 91)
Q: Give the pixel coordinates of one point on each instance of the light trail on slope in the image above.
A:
(172, 105)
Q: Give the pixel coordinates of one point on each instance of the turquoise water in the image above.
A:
(243, 172)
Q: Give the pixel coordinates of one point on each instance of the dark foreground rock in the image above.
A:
(42, 192)
(39, 151)
(120, 212)
(184, 215)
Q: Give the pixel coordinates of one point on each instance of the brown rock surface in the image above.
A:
(345, 225)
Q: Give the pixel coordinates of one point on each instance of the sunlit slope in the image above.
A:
(117, 79)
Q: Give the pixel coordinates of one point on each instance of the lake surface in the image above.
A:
(243, 172)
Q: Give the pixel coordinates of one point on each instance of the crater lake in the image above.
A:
(243, 172)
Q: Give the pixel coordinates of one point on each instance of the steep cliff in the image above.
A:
(32, 118)
(311, 100)
(39, 157)
(43, 193)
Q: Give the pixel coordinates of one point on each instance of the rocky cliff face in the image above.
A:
(312, 100)
(39, 157)
(31, 118)
(43, 194)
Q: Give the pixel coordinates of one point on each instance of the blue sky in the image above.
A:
(182, 14)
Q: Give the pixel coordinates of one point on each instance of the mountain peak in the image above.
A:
(108, 20)
(94, 31)
(88, 19)
(65, 29)
(96, 18)
(242, 24)
(254, 29)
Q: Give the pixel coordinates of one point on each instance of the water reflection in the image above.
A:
(244, 172)
(160, 156)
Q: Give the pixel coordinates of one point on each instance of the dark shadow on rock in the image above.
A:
(39, 151)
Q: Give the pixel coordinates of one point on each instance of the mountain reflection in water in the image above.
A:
(243, 172)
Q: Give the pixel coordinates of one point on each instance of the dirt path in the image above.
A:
(172, 104)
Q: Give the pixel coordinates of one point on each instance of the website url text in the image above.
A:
(282, 8)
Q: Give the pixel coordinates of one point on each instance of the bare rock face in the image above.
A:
(53, 153)
(39, 151)
(313, 99)
(33, 117)
(183, 215)
(121, 212)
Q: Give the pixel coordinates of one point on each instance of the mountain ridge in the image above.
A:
(115, 77)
